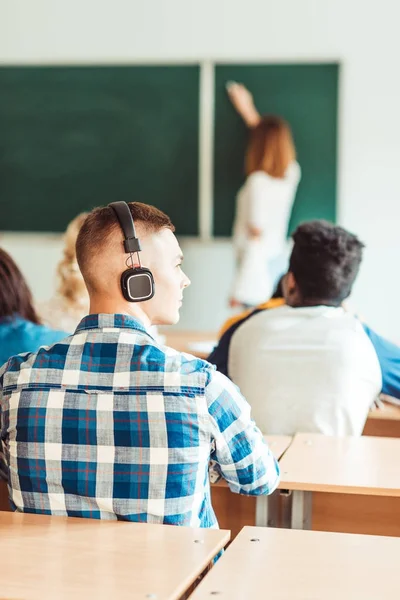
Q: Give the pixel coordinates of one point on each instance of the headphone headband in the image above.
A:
(124, 216)
(137, 283)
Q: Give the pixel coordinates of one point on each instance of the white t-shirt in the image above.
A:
(311, 370)
(263, 202)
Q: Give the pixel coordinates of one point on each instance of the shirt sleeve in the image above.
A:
(389, 359)
(240, 451)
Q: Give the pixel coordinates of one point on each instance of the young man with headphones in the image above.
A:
(110, 424)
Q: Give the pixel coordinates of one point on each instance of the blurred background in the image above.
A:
(126, 100)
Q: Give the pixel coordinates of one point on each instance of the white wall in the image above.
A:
(363, 36)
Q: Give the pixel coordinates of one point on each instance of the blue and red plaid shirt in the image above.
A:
(109, 424)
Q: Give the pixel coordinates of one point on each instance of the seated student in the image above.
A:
(126, 426)
(388, 353)
(311, 366)
(219, 355)
(20, 328)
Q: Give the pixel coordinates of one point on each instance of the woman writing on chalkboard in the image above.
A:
(264, 203)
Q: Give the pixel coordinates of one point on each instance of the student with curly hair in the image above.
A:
(70, 303)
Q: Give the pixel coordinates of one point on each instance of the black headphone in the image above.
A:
(137, 283)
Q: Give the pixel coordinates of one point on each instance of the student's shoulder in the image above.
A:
(293, 172)
(192, 367)
(222, 394)
(349, 332)
(49, 347)
(9, 372)
(258, 179)
(235, 320)
(347, 320)
(294, 169)
(240, 318)
(42, 334)
(51, 336)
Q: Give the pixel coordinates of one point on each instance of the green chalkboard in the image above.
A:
(76, 137)
(305, 95)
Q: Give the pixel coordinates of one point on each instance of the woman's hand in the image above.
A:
(243, 102)
(254, 233)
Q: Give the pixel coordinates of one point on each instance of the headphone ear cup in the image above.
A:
(137, 285)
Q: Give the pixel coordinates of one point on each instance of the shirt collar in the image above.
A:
(104, 321)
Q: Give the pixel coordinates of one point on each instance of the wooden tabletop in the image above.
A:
(278, 444)
(350, 465)
(58, 557)
(198, 343)
(304, 565)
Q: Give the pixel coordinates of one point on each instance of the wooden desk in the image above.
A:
(384, 421)
(367, 466)
(301, 565)
(278, 444)
(234, 511)
(59, 557)
(183, 340)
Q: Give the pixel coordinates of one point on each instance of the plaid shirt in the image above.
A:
(108, 424)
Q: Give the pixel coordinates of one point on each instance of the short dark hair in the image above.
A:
(325, 261)
(15, 295)
(102, 222)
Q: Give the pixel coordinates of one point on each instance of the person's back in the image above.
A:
(18, 335)
(266, 202)
(20, 326)
(310, 369)
(309, 366)
(109, 424)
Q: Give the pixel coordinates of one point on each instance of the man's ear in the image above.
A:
(289, 287)
(291, 282)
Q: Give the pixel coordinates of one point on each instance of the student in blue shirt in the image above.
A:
(111, 424)
(20, 329)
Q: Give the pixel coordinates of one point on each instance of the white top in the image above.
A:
(263, 202)
(311, 370)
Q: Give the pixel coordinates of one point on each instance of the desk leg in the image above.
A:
(267, 510)
(286, 509)
(301, 510)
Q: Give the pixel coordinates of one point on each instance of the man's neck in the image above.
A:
(108, 306)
